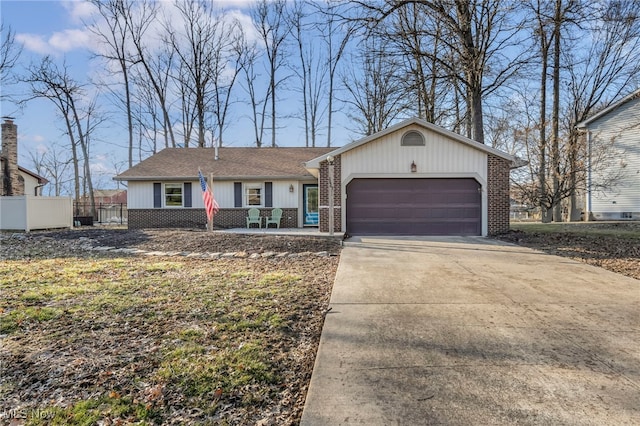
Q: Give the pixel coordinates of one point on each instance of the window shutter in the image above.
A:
(268, 194)
(157, 195)
(237, 194)
(187, 194)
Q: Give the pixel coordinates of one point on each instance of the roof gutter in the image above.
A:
(219, 178)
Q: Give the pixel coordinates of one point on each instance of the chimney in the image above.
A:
(13, 184)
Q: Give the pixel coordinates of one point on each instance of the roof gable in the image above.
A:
(232, 163)
(41, 180)
(315, 163)
(609, 109)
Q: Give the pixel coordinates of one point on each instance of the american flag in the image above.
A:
(210, 204)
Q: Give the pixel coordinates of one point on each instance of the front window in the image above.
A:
(253, 195)
(173, 195)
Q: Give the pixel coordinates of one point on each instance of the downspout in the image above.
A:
(588, 206)
(38, 187)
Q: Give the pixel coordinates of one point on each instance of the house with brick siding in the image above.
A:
(164, 190)
(414, 178)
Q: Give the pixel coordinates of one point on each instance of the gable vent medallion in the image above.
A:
(412, 138)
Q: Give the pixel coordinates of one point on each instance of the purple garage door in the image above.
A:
(414, 207)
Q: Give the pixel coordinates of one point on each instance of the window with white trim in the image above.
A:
(253, 194)
(173, 194)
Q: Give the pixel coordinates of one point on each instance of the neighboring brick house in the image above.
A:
(414, 178)
(107, 196)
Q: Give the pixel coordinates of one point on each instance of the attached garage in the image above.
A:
(414, 178)
(414, 207)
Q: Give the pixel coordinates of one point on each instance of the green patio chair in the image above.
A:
(254, 217)
(276, 215)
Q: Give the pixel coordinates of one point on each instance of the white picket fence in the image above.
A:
(27, 213)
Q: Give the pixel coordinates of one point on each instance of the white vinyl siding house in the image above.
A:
(613, 184)
(140, 194)
(415, 178)
(438, 158)
(164, 190)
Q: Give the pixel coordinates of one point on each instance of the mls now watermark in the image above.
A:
(23, 413)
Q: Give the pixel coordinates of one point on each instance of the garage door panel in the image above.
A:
(413, 207)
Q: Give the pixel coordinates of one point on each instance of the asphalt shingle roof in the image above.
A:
(232, 163)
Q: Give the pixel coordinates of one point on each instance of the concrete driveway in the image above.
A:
(471, 331)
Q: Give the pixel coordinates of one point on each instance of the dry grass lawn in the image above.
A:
(143, 340)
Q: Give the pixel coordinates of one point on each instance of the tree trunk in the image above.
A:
(542, 170)
(555, 118)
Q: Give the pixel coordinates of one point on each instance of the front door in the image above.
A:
(310, 205)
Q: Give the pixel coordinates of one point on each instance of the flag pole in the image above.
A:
(210, 224)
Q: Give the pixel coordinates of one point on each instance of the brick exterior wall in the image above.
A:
(497, 194)
(323, 195)
(12, 183)
(197, 218)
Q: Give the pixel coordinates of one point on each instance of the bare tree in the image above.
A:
(202, 47)
(228, 65)
(273, 28)
(422, 69)
(599, 75)
(248, 63)
(477, 36)
(336, 34)
(592, 72)
(48, 81)
(376, 94)
(311, 71)
(112, 31)
(155, 65)
(10, 51)
(53, 164)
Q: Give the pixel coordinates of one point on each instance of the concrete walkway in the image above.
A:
(471, 331)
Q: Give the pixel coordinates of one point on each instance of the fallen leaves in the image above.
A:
(590, 244)
(95, 334)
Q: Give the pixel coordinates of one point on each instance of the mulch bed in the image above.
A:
(621, 255)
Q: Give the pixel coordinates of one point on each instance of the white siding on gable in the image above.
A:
(30, 184)
(622, 126)
(439, 157)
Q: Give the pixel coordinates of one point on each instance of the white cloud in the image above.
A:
(58, 42)
(79, 11)
(68, 40)
(246, 24)
(101, 168)
(33, 42)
